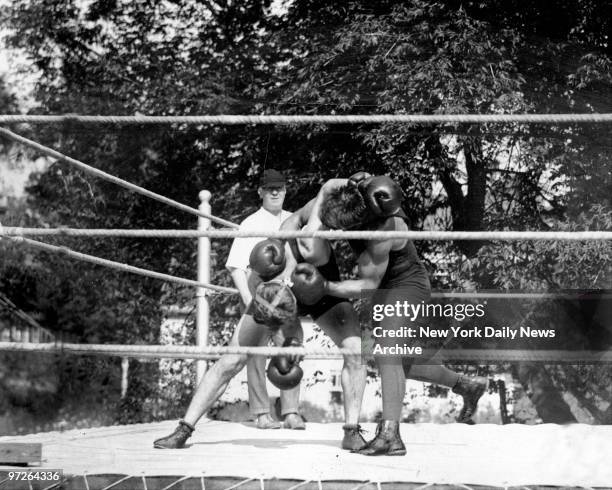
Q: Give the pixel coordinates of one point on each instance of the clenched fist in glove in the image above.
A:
(285, 372)
(309, 285)
(267, 258)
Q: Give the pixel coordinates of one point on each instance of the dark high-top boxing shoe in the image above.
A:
(387, 441)
(177, 439)
(471, 388)
(353, 440)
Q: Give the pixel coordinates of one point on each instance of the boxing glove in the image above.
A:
(273, 304)
(382, 195)
(358, 178)
(284, 372)
(267, 258)
(309, 286)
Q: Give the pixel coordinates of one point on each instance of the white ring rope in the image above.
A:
(213, 352)
(222, 289)
(111, 178)
(329, 235)
(119, 266)
(311, 119)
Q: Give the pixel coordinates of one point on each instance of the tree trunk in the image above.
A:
(467, 210)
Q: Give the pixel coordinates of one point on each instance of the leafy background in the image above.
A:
(303, 57)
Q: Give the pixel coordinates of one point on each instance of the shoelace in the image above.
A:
(360, 431)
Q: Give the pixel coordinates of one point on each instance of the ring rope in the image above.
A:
(119, 266)
(111, 178)
(329, 235)
(228, 290)
(213, 352)
(310, 119)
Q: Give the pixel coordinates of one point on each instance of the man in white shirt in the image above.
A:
(269, 217)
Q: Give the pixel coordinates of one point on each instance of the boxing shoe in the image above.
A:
(471, 388)
(264, 421)
(386, 442)
(353, 440)
(177, 439)
(294, 421)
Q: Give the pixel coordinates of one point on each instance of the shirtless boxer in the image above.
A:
(392, 267)
(264, 319)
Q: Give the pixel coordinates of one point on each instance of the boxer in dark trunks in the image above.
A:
(392, 268)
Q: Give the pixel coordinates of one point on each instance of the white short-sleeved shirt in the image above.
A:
(261, 220)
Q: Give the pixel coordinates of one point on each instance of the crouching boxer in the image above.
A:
(271, 315)
(335, 316)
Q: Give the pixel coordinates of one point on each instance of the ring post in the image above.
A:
(125, 366)
(203, 307)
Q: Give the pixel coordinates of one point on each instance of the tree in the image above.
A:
(561, 266)
(197, 57)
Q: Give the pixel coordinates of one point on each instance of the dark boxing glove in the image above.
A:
(267, 258)
(284, 372)
(382, 196)
(309, 286)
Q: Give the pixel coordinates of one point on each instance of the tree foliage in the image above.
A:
(346, 57)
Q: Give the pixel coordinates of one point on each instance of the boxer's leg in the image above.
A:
(435, 373)
(471, 388)
(392, 377)
(214, 382)
(341, 323)
(216, 379)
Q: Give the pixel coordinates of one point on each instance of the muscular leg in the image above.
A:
(393, 383)
(393, 374)
(393, 369)
(214, 383)
(435, 373)
(216, 379)
(342, 324)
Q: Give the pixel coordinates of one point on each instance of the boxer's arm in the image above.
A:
(315, 251)
(298, 219)
(291, 328)
(314, 221)
(371, 267)
(239, 277)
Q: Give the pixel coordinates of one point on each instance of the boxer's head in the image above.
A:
(343, 209)
(272, 190)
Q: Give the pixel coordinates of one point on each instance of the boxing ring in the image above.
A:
(224, 455)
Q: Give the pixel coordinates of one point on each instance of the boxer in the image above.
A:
(393, 268)
(273, 314)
